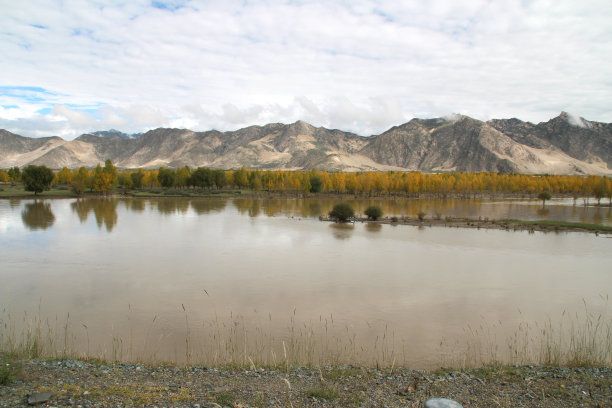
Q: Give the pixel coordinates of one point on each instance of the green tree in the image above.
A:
(165, 177)
(37, 178)
(316, 183)
(241, 177)
(201, 177)
(219, 178)
(125, 180)
(181, 176)
(342, 212)
(15, 174)
(137, 177)
(374, 212)
(544, 195)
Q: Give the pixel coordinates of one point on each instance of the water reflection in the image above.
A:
(372, 227)
(316, 268)
(251, 206)
(171, 206)
(104, 209)
(37, 215)
(561, 210)
(204, 206)
(136, 205)
(342, 231)
(543, 212)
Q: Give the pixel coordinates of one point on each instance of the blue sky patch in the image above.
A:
(168, 5)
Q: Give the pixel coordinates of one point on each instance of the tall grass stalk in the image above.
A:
(583, 338)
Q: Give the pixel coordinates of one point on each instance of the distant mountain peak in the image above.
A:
(563, 145)
(114, 133)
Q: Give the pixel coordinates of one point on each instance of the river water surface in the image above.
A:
(220, 280)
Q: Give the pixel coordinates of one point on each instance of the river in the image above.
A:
(238, 280)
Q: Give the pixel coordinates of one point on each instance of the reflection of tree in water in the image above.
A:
(248, 205)
(372, 227)
(274, 207)
(104, 209)
(168, 206)
(136, 205)
(543, 212)
(342, 231)
(205, 206)
(37, 215)
(598, 217)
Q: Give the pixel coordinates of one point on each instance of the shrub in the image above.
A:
(373, 212)
(421, 215)
(342, 212)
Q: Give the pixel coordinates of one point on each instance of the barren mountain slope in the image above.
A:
(563, 145)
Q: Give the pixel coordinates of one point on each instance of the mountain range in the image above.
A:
(562, 145)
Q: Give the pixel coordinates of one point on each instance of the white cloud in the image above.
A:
(362, 66)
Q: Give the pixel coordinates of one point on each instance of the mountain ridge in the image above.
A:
(561, 145)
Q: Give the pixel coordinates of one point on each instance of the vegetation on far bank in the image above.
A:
(185, 181)
(562, 224)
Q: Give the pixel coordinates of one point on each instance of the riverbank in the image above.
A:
(65, 383)
(16, 191)
(485, 223)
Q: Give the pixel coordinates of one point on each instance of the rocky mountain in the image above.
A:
(563, 145)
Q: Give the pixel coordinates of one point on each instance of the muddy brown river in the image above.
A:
(212, 281)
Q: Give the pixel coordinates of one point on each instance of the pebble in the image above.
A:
(442, 403)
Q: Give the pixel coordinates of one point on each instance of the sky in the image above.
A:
(72, 67)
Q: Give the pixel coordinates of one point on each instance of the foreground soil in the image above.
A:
(73, 383)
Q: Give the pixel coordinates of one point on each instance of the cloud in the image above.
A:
(362, 66)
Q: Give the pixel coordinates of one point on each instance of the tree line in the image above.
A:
(105, 178)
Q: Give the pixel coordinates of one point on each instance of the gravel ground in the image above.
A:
(74, 383)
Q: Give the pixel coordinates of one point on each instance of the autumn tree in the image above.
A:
(37, 178)
(64, 176)
(599, 190)
(104, 179)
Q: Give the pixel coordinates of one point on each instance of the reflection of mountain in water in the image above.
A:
(104, 209)
(37, 215)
